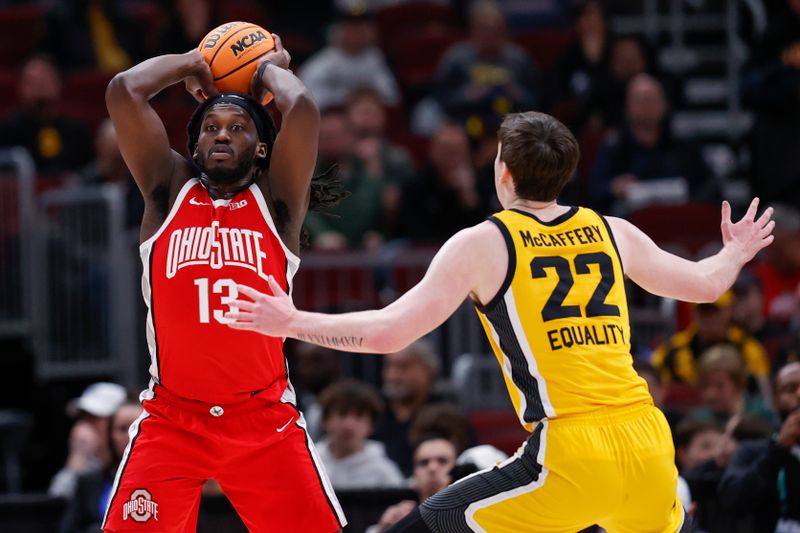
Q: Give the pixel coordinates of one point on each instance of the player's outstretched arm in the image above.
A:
(294, 155)
(142, 137)
(665, 274)
(451, 277)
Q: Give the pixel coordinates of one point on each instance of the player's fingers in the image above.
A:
(277, 290)
(751, 211)
(250, 292)
(240, 316)
(766, 230)
(726, 211)
(765, 216)
(278, 42)
(249, 326)
(247, 305)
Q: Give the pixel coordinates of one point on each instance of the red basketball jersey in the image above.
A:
(191, 267)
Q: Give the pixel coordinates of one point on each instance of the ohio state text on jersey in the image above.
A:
(191, 268)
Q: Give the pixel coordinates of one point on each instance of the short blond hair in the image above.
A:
(726, 358)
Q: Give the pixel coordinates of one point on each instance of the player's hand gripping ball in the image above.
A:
(233, 52)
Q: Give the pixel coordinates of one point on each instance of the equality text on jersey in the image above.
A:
(216, 247)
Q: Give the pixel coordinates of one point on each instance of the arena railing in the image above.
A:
(16, 242)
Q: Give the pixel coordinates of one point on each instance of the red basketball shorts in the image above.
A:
(257, 450)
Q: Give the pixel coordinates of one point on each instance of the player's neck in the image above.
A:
(543, 210)
(225, 191)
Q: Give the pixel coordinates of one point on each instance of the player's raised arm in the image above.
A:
(295, 152)
(665, 274)
(142, 137)
(458, 270)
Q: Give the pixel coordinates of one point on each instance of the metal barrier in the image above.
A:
(83, 285)
(86, 275)
(16, 242)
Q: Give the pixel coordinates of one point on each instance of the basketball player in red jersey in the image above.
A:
(219, 405)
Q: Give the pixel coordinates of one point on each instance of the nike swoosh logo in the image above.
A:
(286, 425)
(195, 202)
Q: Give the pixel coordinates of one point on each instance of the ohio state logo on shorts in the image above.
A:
(140, 507)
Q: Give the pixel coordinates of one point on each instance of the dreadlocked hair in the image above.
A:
(327, 190)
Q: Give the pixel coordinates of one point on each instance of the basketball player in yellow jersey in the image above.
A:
(547, 280)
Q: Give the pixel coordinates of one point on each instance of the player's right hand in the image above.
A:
(200, 84)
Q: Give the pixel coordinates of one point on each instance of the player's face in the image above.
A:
(228, 144)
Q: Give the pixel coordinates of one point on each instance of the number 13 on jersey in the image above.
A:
(225, 287)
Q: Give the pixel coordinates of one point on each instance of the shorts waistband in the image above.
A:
(605, 415)
(245, 405)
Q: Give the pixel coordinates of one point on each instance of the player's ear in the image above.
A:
(261, 150)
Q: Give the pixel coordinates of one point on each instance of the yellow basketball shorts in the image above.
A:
(615, 469)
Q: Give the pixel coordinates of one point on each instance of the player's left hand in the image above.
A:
(267, 314)
(748, 236)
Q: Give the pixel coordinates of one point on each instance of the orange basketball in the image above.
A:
(233, 51)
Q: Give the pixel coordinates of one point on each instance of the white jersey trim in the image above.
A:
(294, 261)
(522, 338)
(172, 212)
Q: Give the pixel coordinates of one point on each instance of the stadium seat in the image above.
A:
(415, 65)
(21, 27)
(396, 24)
(544, 46)
(501, 429)
(691, 225)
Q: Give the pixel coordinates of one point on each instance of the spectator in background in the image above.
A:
(92, 35)
(643, 163)
(408, 379)
(722, 384)
(58, 144)
(434, 459)
(657, 390)
(361, 220)
(771, 86)
(704, 478)
(85, 511)
(188, 21)
(352, 61)
(314, 368)
(350, 409)
(677, 358)
(779, 269)
(445, 197)
(108, 167)
(582, 71)
(366, 114)
(484, 78)
(88, 444)
(695, 443)
(763, 478)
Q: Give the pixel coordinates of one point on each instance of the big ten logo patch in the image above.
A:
(140, 507)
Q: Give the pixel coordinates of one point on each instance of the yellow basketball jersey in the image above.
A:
(559, 324)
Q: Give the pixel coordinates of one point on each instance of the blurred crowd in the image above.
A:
(411, 95)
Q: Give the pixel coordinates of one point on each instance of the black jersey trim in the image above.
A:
(555, 222)
(446, 511)
(613, 241)
(512, 266)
